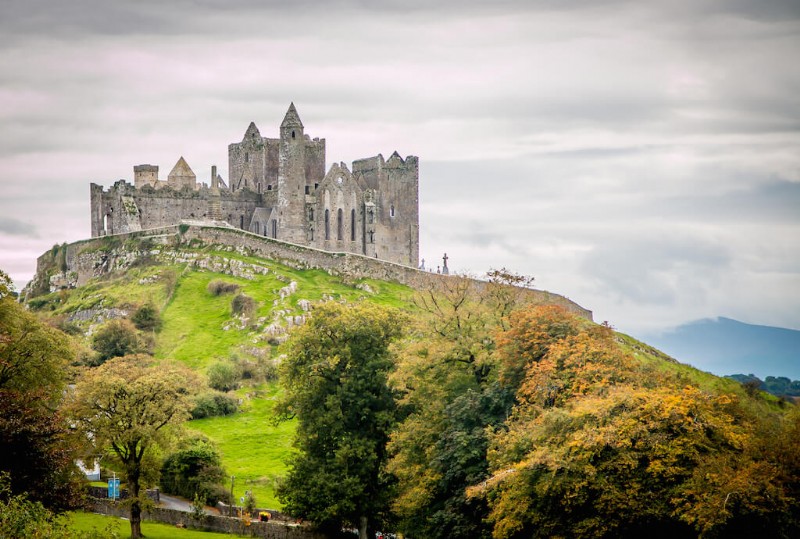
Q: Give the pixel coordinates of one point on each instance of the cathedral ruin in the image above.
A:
(278, 188)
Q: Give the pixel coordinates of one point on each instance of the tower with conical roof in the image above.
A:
(292, 179)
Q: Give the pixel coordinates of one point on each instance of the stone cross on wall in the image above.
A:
(445, 270)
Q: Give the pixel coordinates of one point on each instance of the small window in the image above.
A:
(292, 134)
(352, 225)
(246, 157)
(274, 228)
(327, 224)
(391, 211)
(311, 214)
(339, 224)
(308, 189)
(269, 187)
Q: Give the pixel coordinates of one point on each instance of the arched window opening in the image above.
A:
(391, 211)
(257, 232)
(274, 229)
(269, 187)
(339, 224)
(292, 134)
(246, 157)
(352, 225)
(327, 224)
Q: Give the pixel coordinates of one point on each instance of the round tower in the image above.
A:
(292, 179)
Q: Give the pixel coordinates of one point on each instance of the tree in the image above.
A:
(37, 455)
(335, 377)
(195, 469)
(452, 397)
(117, 338)
(128, 404)
(600, 444)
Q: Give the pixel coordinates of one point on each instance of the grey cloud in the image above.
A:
(654, 270)
(775, 201)
(15, 227)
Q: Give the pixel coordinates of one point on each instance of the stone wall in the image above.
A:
(94, 257)
(266, 530)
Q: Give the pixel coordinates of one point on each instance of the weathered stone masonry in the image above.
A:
(278, 188)
(87, 259)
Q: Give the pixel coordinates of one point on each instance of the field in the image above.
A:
(253, 449)
(152, 530)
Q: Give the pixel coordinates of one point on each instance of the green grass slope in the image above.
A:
(199, 329)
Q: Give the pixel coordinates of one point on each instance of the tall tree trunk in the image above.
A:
(136, 519)
(136, 506)
(362, 528)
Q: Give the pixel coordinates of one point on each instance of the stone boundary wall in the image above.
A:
(265, 530)
(93, 257)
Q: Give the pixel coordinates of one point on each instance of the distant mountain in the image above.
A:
(724, 346)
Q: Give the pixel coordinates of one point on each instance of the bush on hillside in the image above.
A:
(214, 403)
(243, 305)
(147, 318)
(223, 376)
(116, 338)
(256, 366)
(218, 288)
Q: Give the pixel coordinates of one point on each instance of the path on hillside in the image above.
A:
(181, 504)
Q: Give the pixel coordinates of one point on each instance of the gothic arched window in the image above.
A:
(327, 224)
(352, 225)
(339, 225)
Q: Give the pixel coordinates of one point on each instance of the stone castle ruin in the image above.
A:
(278, 188)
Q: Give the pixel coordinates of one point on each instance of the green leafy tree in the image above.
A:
(117, 338)
(36, 452)
(335, 378)
(194, 469)
(453, 396)
(128, 404)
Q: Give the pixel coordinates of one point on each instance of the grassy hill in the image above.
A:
(200, 329)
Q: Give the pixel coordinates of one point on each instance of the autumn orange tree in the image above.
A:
(601, 445)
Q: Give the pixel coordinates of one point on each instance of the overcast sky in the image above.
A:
(641, 158)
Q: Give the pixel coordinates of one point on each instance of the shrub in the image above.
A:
(214, 403)
(194, 470)
(223, 376)
(243, 305)
(116, 338)
(218, 288)
(147, 318)
(255, 364)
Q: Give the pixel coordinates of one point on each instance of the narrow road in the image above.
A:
(181, 504)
